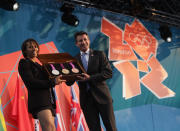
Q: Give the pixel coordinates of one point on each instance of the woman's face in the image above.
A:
(31, 50)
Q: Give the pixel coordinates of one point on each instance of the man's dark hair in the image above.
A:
(24, 46)
(80, 33)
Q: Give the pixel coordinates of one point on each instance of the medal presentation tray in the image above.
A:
(61, 64)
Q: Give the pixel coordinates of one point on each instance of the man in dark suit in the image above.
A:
(95, 98)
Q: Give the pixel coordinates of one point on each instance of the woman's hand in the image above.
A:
(59, 80)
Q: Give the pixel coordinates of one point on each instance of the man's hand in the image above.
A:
(83, 77)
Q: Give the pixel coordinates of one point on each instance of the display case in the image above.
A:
(61, 64)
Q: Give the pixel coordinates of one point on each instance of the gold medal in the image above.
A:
(65, 71)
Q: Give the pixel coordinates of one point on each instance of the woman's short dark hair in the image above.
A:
(80, 33)
(24, 46)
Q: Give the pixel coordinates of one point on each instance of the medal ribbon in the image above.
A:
(52, 66)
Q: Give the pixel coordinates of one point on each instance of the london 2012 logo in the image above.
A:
(136, 43)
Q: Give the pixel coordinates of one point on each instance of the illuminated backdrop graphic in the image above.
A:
(143, 98)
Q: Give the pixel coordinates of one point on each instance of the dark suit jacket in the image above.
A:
(38, 84)
(99, 70)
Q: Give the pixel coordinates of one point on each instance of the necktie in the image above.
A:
(84, 61)
(85, 65)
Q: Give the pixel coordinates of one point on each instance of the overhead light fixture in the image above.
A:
(70, 19)
(165, 33)
(10, 5)
(67, 16)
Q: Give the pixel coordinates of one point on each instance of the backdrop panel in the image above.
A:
(149, 103)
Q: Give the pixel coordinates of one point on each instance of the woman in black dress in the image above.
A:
(41, 99)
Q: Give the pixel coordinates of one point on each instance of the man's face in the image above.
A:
(83, 42)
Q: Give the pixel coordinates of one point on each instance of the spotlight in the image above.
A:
(165, 33)
(10, 5)
(67, 16)
(70, 19)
